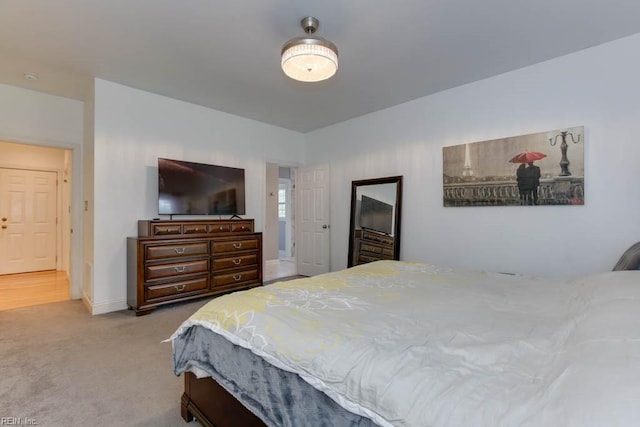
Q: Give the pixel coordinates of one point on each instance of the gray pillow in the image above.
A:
(630, 259)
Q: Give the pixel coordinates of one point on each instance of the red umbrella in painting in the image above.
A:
(528, 157)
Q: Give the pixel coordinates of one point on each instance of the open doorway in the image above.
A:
(35, 211)
(279, 238)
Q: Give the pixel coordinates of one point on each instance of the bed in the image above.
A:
(408, 344)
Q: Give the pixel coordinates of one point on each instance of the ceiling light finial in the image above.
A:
(310, 24)
(309, 58)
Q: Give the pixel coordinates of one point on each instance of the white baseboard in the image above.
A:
(108, 307)
(87, 302)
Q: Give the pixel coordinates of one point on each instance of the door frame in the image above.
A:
(75, 200)
(284, 164)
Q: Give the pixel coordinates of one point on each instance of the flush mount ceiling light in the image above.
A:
(309, 58)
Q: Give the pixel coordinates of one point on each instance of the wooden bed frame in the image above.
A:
(209, 403)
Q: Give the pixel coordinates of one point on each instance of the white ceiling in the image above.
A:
(225, 54)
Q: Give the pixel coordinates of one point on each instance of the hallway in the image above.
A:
(279, 268)
(27, 289)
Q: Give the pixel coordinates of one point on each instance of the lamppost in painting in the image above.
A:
(564, 162)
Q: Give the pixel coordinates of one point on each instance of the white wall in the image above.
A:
(132, 129)
(37, 118)
(598, 88)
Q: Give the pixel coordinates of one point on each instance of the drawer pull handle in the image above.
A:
(237, 261)
(243, 227)
(172, 230)
(181, 269)
(237, 245)
(179, 250)
(180, 288)
(237, 277)
(221, 228)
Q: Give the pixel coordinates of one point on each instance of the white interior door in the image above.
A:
(313, 227)
(28, 206)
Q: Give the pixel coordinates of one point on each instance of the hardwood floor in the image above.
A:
(27, 289)
(275, 269)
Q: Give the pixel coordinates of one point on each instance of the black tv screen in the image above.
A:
(187, 188)
(376, 215)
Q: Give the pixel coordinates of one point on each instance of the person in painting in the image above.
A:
(523, 186)
(533, 174)
(528, 179)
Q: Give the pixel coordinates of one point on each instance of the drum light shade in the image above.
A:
(309, 59)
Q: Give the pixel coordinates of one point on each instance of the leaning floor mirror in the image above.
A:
(374, 232)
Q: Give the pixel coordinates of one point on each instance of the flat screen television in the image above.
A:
(187, 188)
(376, 215)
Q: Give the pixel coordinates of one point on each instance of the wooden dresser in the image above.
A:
(173, 261)
(374, 247)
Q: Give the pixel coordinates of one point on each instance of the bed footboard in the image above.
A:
(209, 403)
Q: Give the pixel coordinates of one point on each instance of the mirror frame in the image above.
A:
(397, 180)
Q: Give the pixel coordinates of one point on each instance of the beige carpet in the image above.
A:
(59, 366)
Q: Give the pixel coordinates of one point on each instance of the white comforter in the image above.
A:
(418, 345)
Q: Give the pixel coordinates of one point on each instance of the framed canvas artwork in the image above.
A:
(545, 168)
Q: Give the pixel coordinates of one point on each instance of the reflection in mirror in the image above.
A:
(374, 232)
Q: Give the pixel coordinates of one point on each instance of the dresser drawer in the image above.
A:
(165, 230)
(379, 238)
(387, 253)
(235, 262)
(236, 277)
(195, 228)
(241, 226)
(154, 252)
(365, 247)
(162, 271)
(194, 286)
(220, 227)
(235, 245)
(364, 259)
